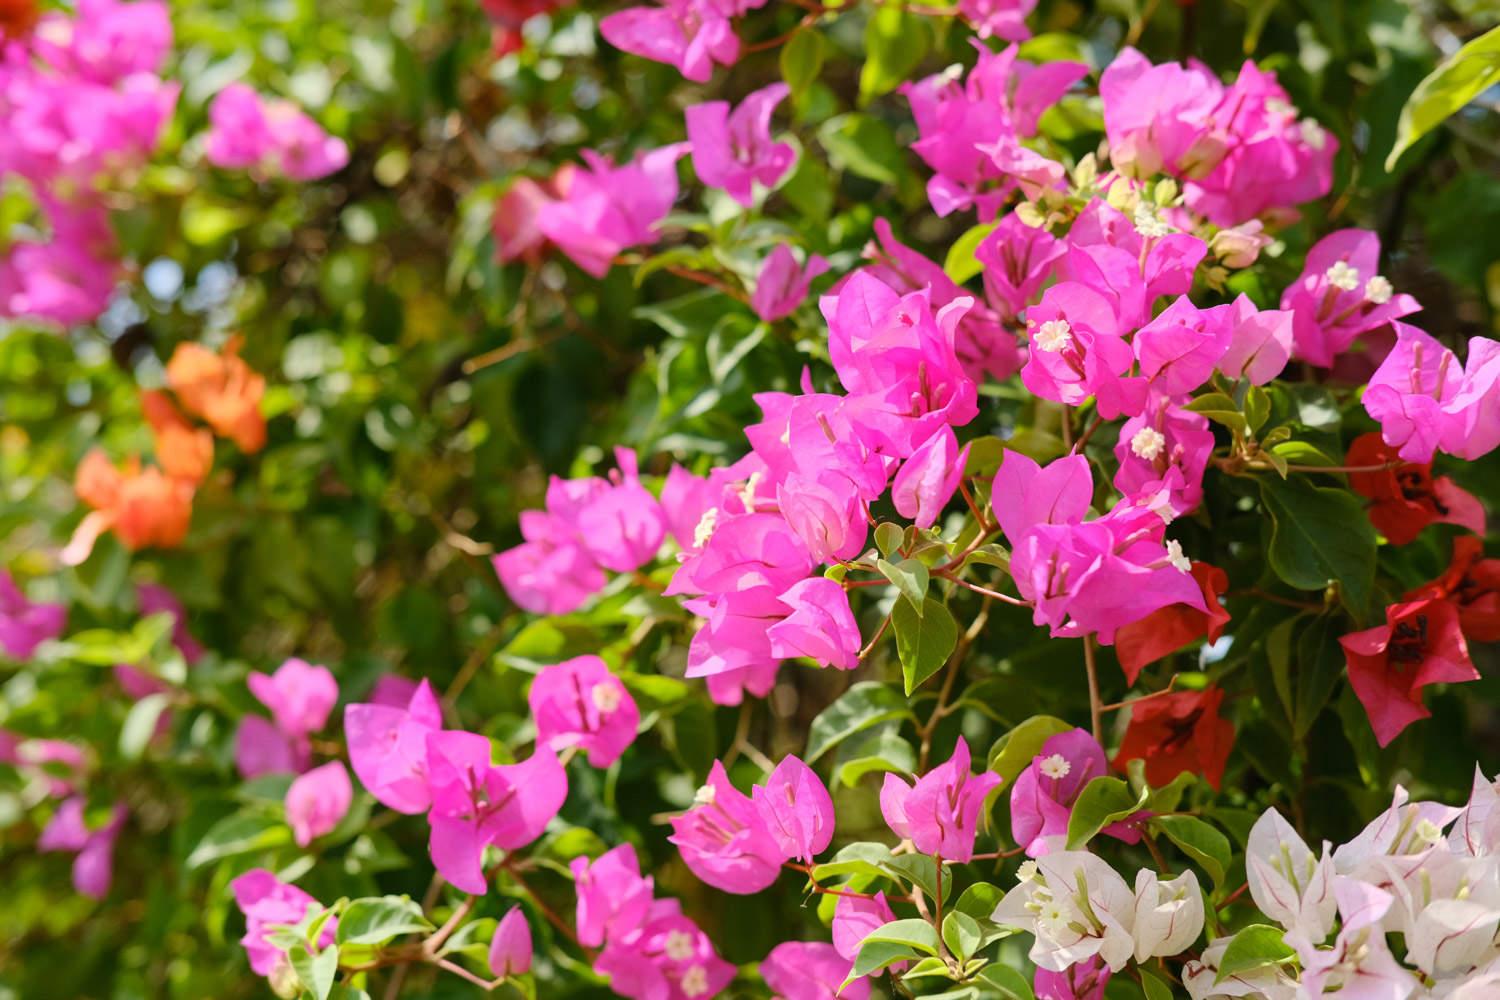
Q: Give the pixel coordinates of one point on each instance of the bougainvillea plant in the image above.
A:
(748, 499)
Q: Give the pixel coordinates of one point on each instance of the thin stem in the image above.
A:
(552, 918)
(1096, 706)
(462, 973)
(433, 943)
(1236, 894)
(987, 592)
(963, 487)
(1161, 862)
(996, 855)
(471, 666)
(1116, 706)
(937, 921)
(879, 633)
(1088, 433)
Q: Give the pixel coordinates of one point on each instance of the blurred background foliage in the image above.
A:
(420, 394)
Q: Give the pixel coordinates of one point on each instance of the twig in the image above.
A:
(1096, 707)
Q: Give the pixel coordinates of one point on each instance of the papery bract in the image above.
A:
(927, 480)
(613, 896)
(821, 625)
(1170, 628)
(1389, 665)
(940, 813)
(388, 748)
(1289, 883)
(317, 801)
(510, 948)
(1404, 497)
(782, 284)
(733, 150)
(579, 702)
(25, 625)
(608, 208)
(810, 970)
(725, 841)
(299, 695)
(1178, 732)
(476, 804)
(1042, 797)
(269, 903)
(796, 809)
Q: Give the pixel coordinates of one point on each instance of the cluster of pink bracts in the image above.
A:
(83, 105)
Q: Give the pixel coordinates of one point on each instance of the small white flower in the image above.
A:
(1148, 223)
(747, 494)
(1056, 766)
(1378, 290)
(1313, 133)
(1342, 276)
(694, 981)
(1055, 335)
(1026, 872)
(1277, 106)
(1175, 556)
(1148, 443)
(705, 529)
(704, 796)
(605, 696)
(679, 946)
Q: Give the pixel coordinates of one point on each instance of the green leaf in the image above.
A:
(1320, 664)
(1254, 947)
(961, 264)
(979, 900)
(1301, 453)
(1221, 410)
(1459, 79)
(1103, 801)
(914, 933)
(1320, 535)
(1199, 841)
(866, 704)
(924, 639)
(377, 920)
(1155, 987)
(910, 577)
(1257, 408)
(921, 871)
(1005, 981)
(1013, 751)
(240, 833)
(140, 724)
(882, 749)
(316, 972)
(961, 934)
(860, 858)
(897, 941)
(888, 537)
(862, 145)
(895, 42)
(802, 60)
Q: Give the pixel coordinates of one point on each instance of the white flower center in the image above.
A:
(704, 796)
(1378, 290)
(606, 696)
(1054, 336)
(1312, 133)
(1056, 766)
(694, 981)
(705, 529)
(1342, 276)
(1175, 556)
(1148, 223)
(1277, 106)
(1026, 872)
(1148, 443)
(747, 495)
(679, 946)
